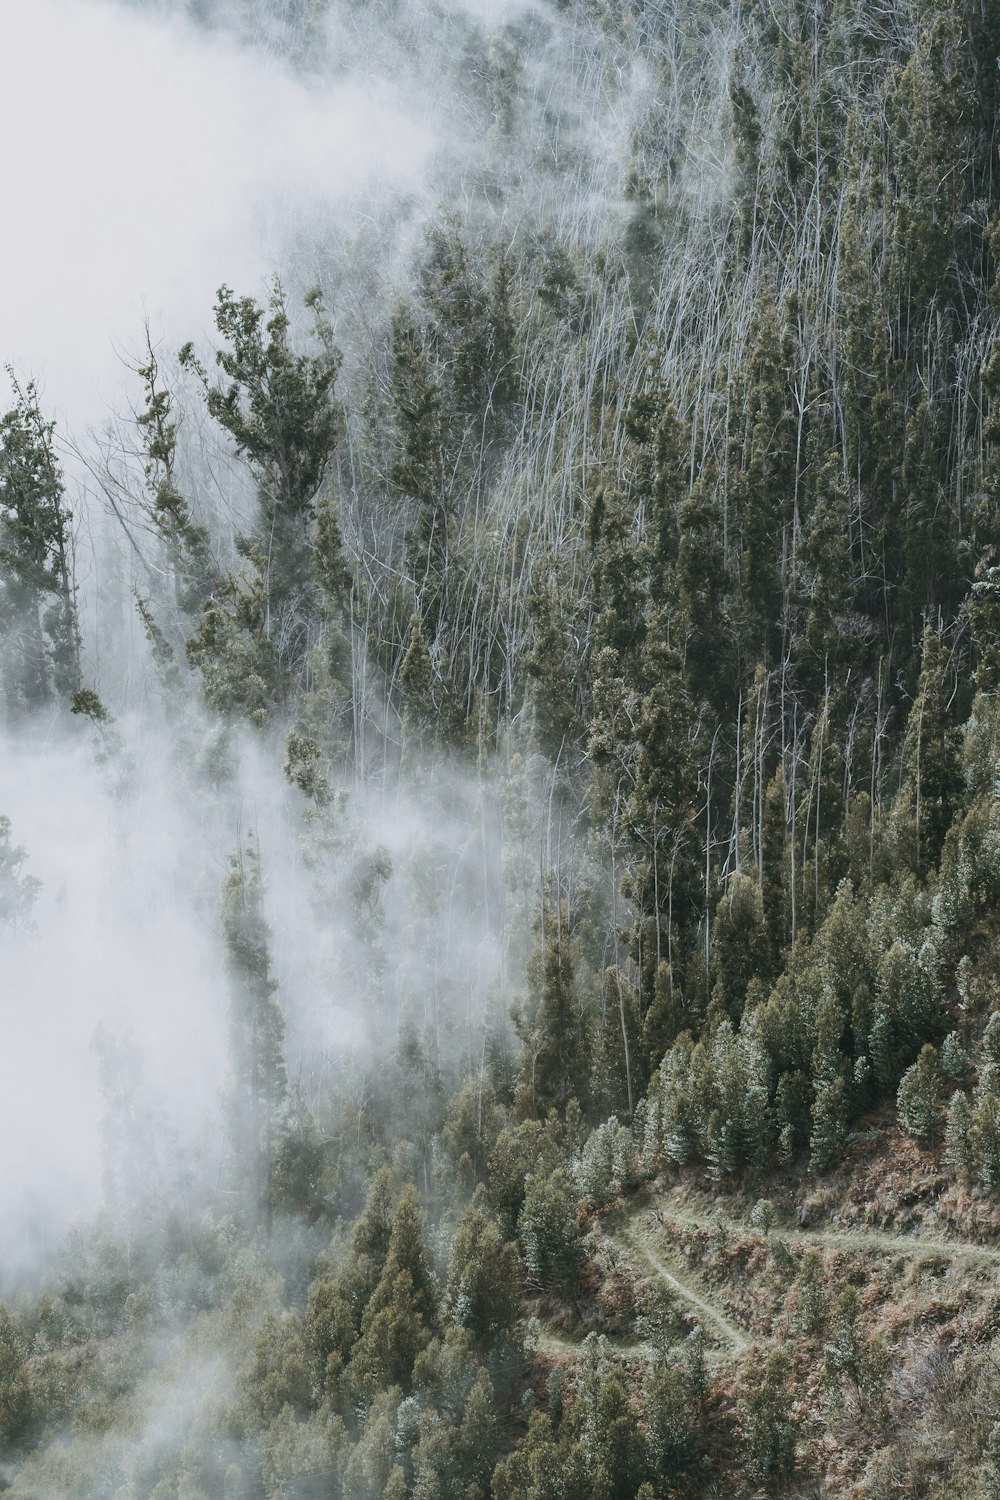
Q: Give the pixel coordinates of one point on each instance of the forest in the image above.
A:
(511, 715)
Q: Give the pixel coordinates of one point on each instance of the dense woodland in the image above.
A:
(630, 522)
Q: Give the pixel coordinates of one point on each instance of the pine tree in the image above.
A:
(548, 1230)
(477, 1438)
(984, 1137)
(278, 409)
(768, 1431)
(671, 1419)
(483, 1279)
(553, 1055)
(419, 468)
(705, 629)
(258, 1087)
(18, 1400)
(40, 660)
(959, 1156)
(421, 713)
(398, 1321)
(812, 1308)
(954, 1058)
(607, 1427)
(741, 949)
(853, 1357)
(932, 778)
(829, 1133)
(917, 1099)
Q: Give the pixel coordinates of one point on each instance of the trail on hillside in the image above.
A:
(861, 1239)
(634, 1241)
(633, 1235)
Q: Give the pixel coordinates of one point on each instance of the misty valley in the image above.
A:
(500, 750)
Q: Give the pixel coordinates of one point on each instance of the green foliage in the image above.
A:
(519, 1150)
(17, 1398)
(609, 1164)
(606, 1426)
(484, 1279)
(548, 1230)
(677, 524)
(958, 1148)
(278, 1374)
(552, 1060)
(854, 1361)
(932, 782)
(38, 606)
(278, 410)
(917, 1100)
(186, 542)
(542, 1466)
(740, 945)
(300, 1164)
(812, 1303)
(471, 1129)
(673, 1408)
(829, 1133)
(399, 1318)
(259, 1085)
(768, 1431)
(954, 1058)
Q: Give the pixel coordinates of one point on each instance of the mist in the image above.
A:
(345, 821)
(157, 159)
(170, 148)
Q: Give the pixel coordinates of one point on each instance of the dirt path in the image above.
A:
(634, 1233)
(859, 1239)
(715, 1320)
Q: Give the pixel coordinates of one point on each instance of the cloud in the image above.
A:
(147, 162)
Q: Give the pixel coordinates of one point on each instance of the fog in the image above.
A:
(123, 938)
(165, 149)
(156, 159)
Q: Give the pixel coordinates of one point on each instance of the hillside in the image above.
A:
(500, 775)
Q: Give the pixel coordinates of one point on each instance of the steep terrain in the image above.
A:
(532, 678)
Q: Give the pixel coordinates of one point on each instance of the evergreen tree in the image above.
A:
(548, 1230)
(607, 1427)
(40, 659)
(829, 1133)
(553, 1055)
(17, 1398)
(932, 782)
(398, 1321)
(672, 1412)
(258, 1084)
(278, 409)
(853, 1358)
(740, 945)
(478, 1435)
(768, 1431)
(917, 1100)
(419, 469)
(483, 1279)
(958, 1149)
(984, 1136)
